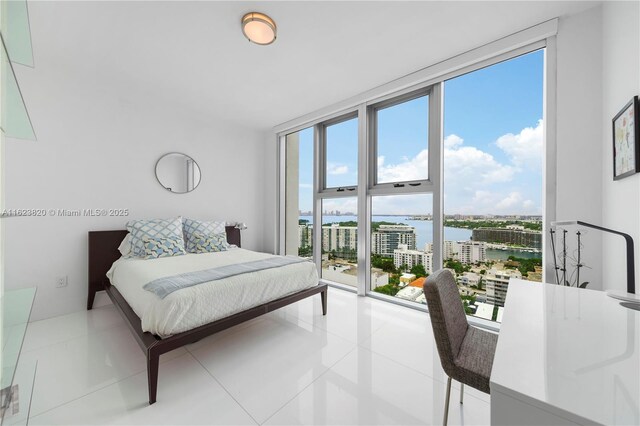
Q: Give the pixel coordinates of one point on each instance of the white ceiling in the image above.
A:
(193, 54)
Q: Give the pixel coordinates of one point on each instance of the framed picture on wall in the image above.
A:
(626, 141)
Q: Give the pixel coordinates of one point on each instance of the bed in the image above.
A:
(152, 324)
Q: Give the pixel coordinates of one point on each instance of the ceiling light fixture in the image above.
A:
(258, 28)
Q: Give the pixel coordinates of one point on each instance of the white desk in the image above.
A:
(565, 356)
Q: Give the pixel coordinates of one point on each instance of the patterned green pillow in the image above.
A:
(198, 243)
(162, 247)
(156, 229)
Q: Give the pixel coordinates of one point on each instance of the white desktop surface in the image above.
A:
(573, 353)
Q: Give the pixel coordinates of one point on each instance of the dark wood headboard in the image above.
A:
(103, 251)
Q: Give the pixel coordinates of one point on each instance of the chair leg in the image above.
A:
(461, 392)
(446, 402)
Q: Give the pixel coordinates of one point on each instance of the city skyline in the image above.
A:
(453, 216)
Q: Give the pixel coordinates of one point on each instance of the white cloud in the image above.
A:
(484, 197)
(337, 169)
(410, 169)
(509, 203)
(470, 166)
(475, 182)
(495, 202)
(528, 205)
(452, 141)
(525, 148)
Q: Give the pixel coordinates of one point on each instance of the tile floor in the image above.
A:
(366, 362)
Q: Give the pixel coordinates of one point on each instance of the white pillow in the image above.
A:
(125, 246)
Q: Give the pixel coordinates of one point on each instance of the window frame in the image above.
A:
(432, 185)
(322, 193)
(335, 191)
(372, 115)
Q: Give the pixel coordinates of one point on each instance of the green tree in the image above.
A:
(467, 301)
(384, 263)
(305, 251)
(376, 225)
(525, 265)
(418, 270)
(456, 266)
(348, 223)
(389, 289)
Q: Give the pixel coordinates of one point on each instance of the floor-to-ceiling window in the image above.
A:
(401, 202)
(492, 162)
(338, 203)
(448, 174)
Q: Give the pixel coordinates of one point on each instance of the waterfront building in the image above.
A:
(522, 237)
(472, 252)
(466, 252)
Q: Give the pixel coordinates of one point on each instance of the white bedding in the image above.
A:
(203, 303)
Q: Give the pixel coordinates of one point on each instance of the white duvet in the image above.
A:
(194, 306)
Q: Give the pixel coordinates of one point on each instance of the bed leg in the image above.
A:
(153, 361)
(323, 296)
(90, 299)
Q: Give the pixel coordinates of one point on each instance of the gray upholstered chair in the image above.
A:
(466, 352)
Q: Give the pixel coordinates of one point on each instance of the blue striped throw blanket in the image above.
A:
(162, 287)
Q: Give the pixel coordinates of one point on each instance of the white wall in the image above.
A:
(621, 81)
(97, 146)
(578, 135)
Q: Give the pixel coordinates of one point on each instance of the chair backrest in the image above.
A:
(448, 319)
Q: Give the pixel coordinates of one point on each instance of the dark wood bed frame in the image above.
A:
(103, 251)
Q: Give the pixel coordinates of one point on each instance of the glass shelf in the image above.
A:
(14, 25)
(16, 309)
(17, 413)
(15, 121)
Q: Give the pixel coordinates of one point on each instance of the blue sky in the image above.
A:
(492, 145)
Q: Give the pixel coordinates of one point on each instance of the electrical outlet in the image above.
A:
(61, 282)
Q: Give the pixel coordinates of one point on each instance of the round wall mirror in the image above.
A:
(178, 173)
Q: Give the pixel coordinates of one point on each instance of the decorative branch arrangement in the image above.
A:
(631, 276)
(575, 259)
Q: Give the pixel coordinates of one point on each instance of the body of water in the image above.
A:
(424, 233)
